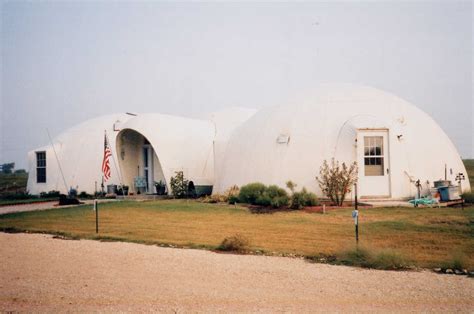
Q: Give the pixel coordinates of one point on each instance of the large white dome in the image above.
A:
(290, 142)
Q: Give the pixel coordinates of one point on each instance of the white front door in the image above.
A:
(148, 167)
(374, 164)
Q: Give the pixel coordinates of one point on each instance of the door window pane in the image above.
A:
(373, 156)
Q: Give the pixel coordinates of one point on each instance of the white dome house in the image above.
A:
(393, 142)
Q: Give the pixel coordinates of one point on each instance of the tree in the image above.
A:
(8, 168)
(337, 180)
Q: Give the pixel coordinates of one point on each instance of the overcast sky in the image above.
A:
(65, 62)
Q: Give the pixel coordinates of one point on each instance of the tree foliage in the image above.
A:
(336, 180)
(7, 168)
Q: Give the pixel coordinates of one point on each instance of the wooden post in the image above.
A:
(356, 214)
(96, 208)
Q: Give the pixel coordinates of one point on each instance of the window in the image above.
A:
(41, 167)
(373, 156)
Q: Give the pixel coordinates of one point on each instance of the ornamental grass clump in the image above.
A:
(235, 243)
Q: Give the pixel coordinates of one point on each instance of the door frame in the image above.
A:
(150, 154)
(385, 132)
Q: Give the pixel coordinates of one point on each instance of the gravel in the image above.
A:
(41, 273)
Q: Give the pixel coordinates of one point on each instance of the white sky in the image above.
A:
(65, 62)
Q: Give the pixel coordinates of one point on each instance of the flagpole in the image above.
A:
(57, 160)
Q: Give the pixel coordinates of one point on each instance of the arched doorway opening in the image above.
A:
(139, 163)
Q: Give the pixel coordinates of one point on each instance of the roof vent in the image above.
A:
(283, 139)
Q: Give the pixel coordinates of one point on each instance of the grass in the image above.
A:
(26, 201)
(430, 237)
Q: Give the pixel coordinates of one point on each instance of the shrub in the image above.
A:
(263, 200)
(49, 194)
(310, 199)
(233, 199)
(274, 191)
(468, 197)
(336, 181)
(16, 196)
(179, 185)
(235, 243)
(279, 201)
(84, 194)
(301, 199)
(261, 195)
(251, 192)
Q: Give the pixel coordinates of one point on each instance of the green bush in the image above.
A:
(274, 191)
(301, 199)
(261, 195)
(235, 243)
(468, 197)
(251, 192)
(279, 201)
(50, 194)
(263, 200)
(233, 199)
(179, 185)
(17, 196)
(84, 194)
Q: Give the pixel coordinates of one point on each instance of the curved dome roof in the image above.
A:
(80, 152)
(180, 143)
(290, 142)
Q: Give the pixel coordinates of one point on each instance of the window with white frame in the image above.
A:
(41, 167)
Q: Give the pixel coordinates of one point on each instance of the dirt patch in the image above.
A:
(39, 273)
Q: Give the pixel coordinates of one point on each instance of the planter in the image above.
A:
(160, 189)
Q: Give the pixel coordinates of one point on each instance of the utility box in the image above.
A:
(449, 193)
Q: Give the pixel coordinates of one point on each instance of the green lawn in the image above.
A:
(427, 236)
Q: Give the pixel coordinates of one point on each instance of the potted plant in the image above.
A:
(160, 187)
(125, 189)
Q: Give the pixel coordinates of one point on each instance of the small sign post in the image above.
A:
(96, 209)
(355, 215)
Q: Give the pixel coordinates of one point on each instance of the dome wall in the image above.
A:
(325, 126)
(80, 152)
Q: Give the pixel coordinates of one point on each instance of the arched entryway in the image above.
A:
(139, 163)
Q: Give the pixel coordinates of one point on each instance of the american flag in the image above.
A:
(105, 162)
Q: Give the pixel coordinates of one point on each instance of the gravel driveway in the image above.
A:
(40, 273)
